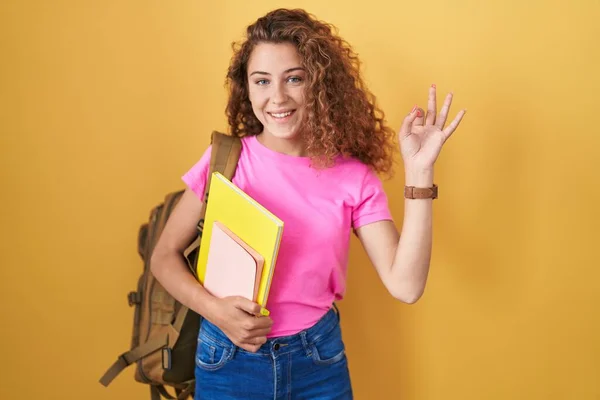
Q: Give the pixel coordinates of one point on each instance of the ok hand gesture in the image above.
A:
(422, 137)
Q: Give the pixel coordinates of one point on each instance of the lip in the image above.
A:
(281, 120)
(281, 111)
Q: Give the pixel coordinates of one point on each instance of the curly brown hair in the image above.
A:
(342, 117)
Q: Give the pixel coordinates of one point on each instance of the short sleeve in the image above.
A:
(372, 203)
(197, 176)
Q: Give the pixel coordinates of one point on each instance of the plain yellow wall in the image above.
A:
(104, 104)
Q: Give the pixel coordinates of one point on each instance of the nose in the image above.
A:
(279, 95)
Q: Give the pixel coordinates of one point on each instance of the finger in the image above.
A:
(251, 323)
(454, 124)
(253, 344)
(260, 340)
(246, 305)
(250, 347)
(431, 106)
(420, 117)
(250, 328)
(441, 119)
(256, 324)
(406, 127)
(261, 323)
(254, 340)
(259, 332)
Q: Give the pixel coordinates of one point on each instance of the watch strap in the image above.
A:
(412, 192)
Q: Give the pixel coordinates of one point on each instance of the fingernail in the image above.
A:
(419, 113)
(264, 312)
(433, 85)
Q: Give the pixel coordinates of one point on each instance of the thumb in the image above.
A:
(406, 127)
(246, 305)
(420, 117)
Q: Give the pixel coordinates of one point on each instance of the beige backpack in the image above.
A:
(164, 339)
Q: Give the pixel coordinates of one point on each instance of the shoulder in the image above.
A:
(369, 199)
(356, 171)
(202, 164)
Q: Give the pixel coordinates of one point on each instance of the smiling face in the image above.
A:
(276, 82)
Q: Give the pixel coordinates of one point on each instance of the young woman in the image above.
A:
(313, 146)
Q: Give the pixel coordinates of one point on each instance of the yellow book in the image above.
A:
(249, 220)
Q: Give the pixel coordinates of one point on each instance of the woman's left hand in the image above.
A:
(422, 137)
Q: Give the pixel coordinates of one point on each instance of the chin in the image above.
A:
(283, 133)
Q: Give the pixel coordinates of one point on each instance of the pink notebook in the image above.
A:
(233, 268)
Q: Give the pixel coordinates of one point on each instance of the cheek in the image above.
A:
(258, 110)
(256, 103)
(299, 97)
(257, 100)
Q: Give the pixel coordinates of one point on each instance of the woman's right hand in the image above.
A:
(240, 319)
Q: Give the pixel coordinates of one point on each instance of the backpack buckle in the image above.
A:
(166, 358)
(134, 298)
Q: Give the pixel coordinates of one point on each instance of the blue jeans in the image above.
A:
(311, 364)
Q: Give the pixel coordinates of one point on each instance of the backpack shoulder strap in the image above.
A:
(224, 157)
(225, 153)
(131, 356)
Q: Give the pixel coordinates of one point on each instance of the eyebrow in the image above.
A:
(285, 72)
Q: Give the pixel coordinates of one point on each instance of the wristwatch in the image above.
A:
(412, 192)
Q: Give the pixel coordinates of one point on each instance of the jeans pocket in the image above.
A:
(329, 350)
(211, 355)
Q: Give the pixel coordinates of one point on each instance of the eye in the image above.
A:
(294, 79)
(262, 82)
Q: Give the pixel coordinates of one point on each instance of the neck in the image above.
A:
(292, 147)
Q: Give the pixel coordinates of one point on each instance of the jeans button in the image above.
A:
(276, 346)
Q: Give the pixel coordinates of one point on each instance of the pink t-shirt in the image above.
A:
(319, 209)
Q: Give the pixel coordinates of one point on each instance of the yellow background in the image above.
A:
(105, 104)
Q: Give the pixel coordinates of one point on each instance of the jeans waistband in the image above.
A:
(283, 344)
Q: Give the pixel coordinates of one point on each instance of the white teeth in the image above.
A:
(282, 115)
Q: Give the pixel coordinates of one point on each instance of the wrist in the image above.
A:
(422, 178)
(205, 304)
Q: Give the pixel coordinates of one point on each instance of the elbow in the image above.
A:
(411, 299)
(408, 296)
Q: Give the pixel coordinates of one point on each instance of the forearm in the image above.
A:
(171, 270)
(411, 262)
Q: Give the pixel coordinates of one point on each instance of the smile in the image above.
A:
(283, 115)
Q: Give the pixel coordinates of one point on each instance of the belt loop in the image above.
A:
(305, 343)
(337, 311)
